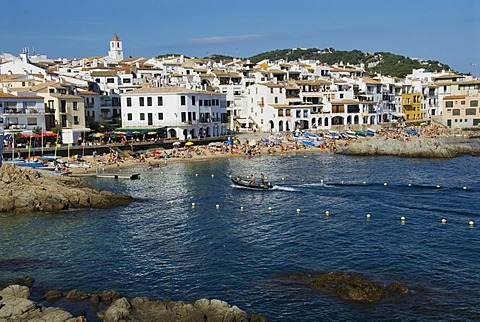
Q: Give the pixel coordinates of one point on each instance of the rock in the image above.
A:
(16, 291)
(417, 147)
(77, 295)
(108, 297)
(118, 311)
(53, 295)
(347, 286)
(216, 310)
(28, 190)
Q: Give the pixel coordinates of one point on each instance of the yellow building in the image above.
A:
(411, 106)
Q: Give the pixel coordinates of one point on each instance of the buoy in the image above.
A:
(241, 207)
(230, 176)
(283, 178)
(196, 174)
(464, 188)
(321, 180)
(444, 221)
(402, 218)
(409, 184)
(269, 208)
(368, 216)
(471, 223)
(304, 156)
(217, 206)
(171, 201)
(438, 187)
(176, 173)
(385, 184)
(213, 175)
(303, 180)
(298, 209)
(364, 182)
(327, 213)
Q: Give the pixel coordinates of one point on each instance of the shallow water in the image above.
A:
(162, 247)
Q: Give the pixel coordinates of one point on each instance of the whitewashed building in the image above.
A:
(183, 113)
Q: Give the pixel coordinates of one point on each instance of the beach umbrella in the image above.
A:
(229, 142)
(176, 143)
(189, 143)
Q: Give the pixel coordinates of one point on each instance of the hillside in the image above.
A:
(384, 63)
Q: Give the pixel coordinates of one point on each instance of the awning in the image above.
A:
(397, 114)
(140, 130)
(26, 135)
(243, 121)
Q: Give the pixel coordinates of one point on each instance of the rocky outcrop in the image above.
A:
(15, 305)
(351, 287)
(414, 147)
(28, 190)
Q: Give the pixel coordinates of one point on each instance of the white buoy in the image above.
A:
(176, 173)
(444, 221)
(471, 223)
(283, 178)
(217, 206)
(464, 188)
(364, 182)
(327, 213)
(409, 184)
(241, 207)
(230, 176)
(298, 209)
(171, 201)
(269, 208)
(321, 180)
(438, 187)
(368, 216)
(303, 180)
(213, 175)
(193, 205)
(402, 218)
(385, 184)
(196, 174)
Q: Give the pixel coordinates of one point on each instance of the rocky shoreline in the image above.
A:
(111, 306)
(413, 147)
(28, 190)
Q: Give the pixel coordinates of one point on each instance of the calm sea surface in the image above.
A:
(162, 247)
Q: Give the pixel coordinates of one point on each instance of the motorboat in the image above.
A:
(257, 185)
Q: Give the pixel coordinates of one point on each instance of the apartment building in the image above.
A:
(461, 111)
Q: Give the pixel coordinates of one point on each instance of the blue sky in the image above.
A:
(448, 31)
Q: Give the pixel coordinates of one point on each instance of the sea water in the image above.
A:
(190, 234)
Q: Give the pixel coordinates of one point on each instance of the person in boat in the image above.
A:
(262, 178)
(252, 179)
(238, 178)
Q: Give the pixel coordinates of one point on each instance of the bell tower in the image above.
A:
(116, 50)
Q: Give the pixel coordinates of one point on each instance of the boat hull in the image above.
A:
(257, 186)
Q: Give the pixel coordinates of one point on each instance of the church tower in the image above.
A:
(116, 51)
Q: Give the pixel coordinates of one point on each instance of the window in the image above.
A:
(126, 81)
(200, 103)
(142, 101)
(31, 121)
(75, 120)
(449, 104)
(455, 111)
(193, 100)
(160, 116)
(160, 101)
(149, 101)
(182, 100)
(473, 103)
(129, 101)
(280, 112)
(97, 80)
(75, 106)
(276, 100)
(110, 80)
(470, 111)
(462, 102)
(142, 116)
(129, 116)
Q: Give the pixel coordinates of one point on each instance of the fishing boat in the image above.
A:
(257, 185)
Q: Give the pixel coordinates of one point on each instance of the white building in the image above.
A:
(183, 113)
(116, 49)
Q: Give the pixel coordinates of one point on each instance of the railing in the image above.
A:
(24, 111)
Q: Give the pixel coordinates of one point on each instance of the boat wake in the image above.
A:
(283, 188)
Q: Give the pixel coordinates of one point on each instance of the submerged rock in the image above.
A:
(29, 190)
(346, 286)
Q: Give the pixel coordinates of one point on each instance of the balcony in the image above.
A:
(23, 111)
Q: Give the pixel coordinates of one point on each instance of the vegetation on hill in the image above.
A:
(384, 63)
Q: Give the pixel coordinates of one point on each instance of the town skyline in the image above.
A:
(445, 32)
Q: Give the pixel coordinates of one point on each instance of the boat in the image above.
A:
(257, 185)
